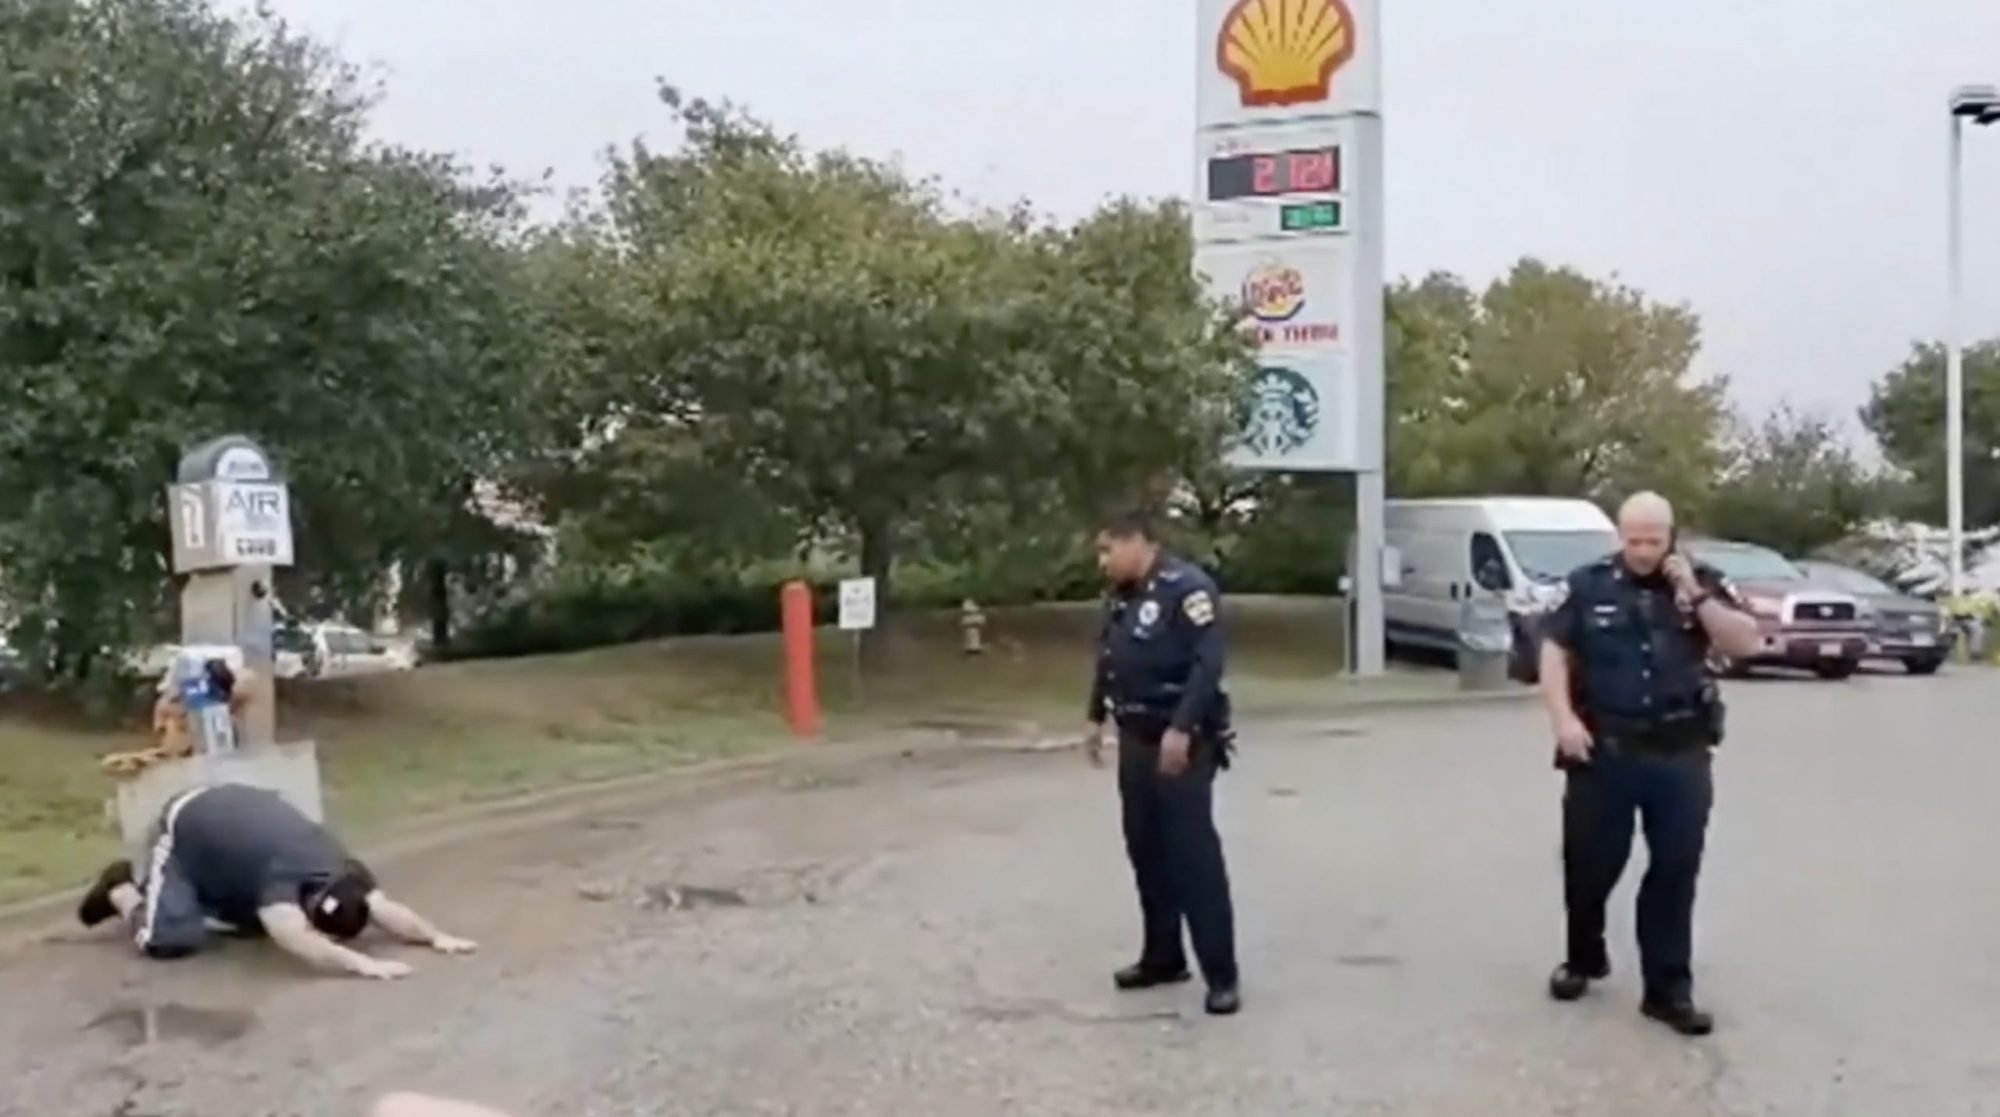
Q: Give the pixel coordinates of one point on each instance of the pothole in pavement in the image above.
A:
(689, 897)
(1018, 1011)
(140, 1025)
(680, 888)
(985, 732)
(1340, 731)
(1370, 961)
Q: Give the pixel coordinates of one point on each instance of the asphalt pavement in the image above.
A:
(935, 935)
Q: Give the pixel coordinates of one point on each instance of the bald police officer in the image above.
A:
(1159, 676)
(1624, 674)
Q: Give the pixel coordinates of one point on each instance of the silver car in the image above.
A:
(1907, 629)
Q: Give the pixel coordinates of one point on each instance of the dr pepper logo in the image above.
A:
(1285, 52)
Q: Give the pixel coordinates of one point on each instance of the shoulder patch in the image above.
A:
(1199, 607)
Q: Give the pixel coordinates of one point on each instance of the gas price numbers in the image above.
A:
(1271, 174)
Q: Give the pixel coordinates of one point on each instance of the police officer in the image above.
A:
(1636, 714)
(1159, 676)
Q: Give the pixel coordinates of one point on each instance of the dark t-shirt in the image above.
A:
(243, 848)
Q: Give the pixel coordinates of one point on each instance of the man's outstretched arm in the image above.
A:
(294, 934)
(403, 922)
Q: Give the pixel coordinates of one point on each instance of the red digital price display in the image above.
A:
(1272, 174)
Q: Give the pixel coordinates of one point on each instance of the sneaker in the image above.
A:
(97, 907)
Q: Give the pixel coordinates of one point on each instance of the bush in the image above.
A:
(597, 607)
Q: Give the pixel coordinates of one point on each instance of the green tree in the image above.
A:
(1549, 383)
(873, 363)
(1906, 412)
(194, 240)
(1791, 484)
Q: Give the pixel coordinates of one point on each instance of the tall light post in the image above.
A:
(1981, 105)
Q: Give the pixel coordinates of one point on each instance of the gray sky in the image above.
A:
(1777, 164)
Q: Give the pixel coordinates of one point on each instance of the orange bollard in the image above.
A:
(801, 689)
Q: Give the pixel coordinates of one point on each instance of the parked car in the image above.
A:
(1800, 624)
(331, 650)
(1907, 629)
(151, 663)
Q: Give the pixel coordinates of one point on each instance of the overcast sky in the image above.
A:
(1777, 164)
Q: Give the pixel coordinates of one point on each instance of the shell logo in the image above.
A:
(1274, 291)
(1285, 52)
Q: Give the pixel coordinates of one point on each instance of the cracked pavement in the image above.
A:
(935, 934)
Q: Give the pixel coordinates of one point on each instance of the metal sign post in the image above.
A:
(857, 617)
(229, 511)
(1288, 222)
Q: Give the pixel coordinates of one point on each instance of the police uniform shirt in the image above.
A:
(1161, 649)
(1636, 652)
(243, 848)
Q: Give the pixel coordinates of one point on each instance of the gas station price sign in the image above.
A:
(1314, 170)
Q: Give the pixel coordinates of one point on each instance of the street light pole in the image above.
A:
(1954, 362)
(1981, 105)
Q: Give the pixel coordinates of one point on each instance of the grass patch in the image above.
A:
(396, 750)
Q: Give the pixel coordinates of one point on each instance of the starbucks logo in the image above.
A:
(1281, 412)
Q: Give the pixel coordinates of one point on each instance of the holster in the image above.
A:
(1214, 734)
(1680, 732)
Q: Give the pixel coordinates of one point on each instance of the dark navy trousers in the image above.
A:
(1670, 793)
(1176, 855)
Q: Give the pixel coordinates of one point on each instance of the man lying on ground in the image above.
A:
(243, 858)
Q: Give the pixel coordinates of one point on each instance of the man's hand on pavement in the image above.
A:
(452, 944)
(383, 969)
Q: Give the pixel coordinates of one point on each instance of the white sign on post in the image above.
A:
(255, 523)
(857, 604)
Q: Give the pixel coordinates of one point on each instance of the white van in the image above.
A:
(1449, 551)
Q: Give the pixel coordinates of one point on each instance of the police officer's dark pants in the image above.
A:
(1671, 792)
(1176, 855)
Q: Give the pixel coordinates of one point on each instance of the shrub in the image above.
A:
(596, 607)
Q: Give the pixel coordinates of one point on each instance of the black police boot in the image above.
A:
(97, 906)
(1143, 976)
(1570, 981)
(1223, 1000)
(1678, 1013)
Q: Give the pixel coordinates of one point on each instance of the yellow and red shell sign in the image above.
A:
(1285, 52)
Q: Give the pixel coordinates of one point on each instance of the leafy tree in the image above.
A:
(1550, 383)
(1430, 327)
(833, 336)
(194, 240)
(1906, 412)
(1791, 484)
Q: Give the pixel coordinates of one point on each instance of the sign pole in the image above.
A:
(1371, 375)
(857, 617)
(859, 697)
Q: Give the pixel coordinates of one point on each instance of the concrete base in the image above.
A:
(1482, 670)
(291, 770)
